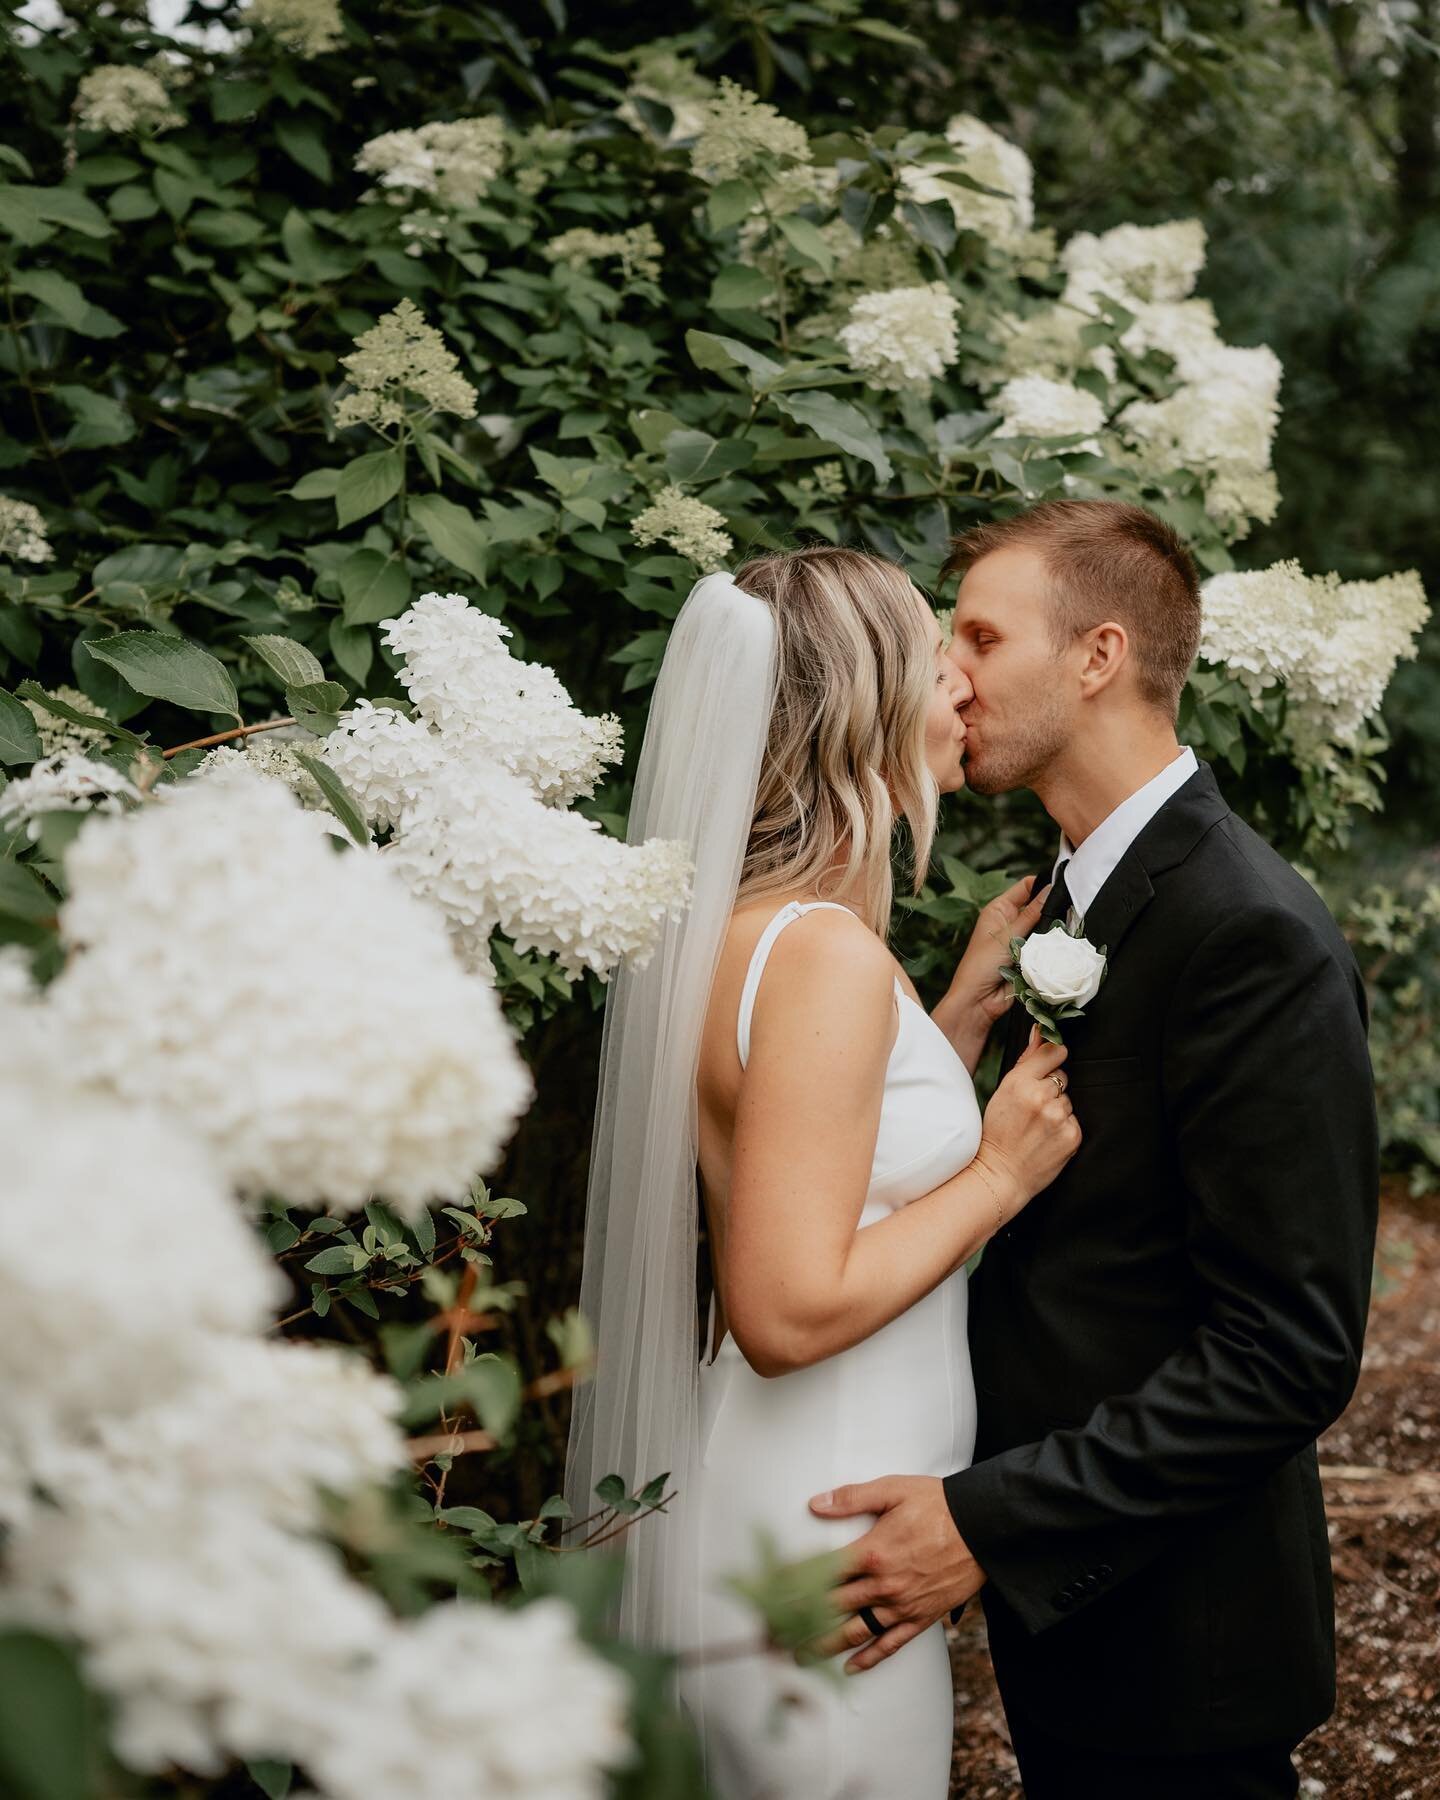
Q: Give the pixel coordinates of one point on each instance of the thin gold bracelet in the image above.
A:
(979, 1169)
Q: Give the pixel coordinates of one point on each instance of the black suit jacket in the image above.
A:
(1160, 1336)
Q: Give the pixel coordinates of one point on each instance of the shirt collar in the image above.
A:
(1092, 865)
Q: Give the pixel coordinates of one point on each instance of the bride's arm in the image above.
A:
(799, 1281)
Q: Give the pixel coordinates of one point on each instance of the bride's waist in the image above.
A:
(900, 1400)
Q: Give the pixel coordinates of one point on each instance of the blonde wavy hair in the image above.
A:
(845, 756)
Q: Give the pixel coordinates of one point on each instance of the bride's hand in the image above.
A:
(1030, 1127)
(977, 996)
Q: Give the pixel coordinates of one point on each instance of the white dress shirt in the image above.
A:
(1092, 865)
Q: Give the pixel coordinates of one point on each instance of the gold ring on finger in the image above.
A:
(1059, 1081)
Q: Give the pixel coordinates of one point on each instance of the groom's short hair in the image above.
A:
(1107, 560)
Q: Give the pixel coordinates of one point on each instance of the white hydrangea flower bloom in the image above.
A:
(1150, 270)
(738, 128)
(16, 981)
(131, 102)
(1135, 262)
(65, 782)
(1380, 627)
(402, 355)
(474, 789)
(1331, 644)
(267, 753)
(1236, 497)
(1046, 342)
(144, 1197)
(63, 737)
(308, 27)
(1256, 367)
(23, 534)
(158, 1466)
(216, 1632)
(466, 685)
(384, 757)
(638, 249)
(476, 844)
(1185, 330)
(1222, 423)
(309, 1021)
(1219, 422)
(454, 161)
(1004, 218)
(265, 1422)
(1032, 406)
(1221, 419)
(472, 1699)
(689, 526)
(903, 337)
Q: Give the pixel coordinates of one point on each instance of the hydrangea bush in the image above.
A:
(364, 459)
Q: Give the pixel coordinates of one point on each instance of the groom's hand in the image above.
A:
(910, 1568)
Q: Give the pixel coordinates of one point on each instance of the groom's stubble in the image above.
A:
(1014, 746)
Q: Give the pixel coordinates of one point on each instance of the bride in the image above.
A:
(773, 1064)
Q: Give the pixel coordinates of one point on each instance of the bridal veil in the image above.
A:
(638, 1417)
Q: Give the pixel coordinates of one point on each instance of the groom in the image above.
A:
(1158, 1338)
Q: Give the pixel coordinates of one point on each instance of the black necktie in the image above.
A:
(1057, 901)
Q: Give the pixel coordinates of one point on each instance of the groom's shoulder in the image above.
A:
(1235, 879)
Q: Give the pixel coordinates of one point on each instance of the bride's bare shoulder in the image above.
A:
(833, 972)
(828, 942)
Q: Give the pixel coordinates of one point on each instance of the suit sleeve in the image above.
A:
(1269, 1096)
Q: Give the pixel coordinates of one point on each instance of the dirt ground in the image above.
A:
(1381, 1467)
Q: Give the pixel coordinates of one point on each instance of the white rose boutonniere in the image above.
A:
(1054, 975)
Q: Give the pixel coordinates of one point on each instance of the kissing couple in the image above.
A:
(1109, 1431)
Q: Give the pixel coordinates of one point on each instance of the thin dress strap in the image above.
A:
(793, 909)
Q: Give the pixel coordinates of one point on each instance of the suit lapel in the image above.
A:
(1117, 906)
(1165, 840)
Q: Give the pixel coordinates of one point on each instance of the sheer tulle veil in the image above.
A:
(696, 781)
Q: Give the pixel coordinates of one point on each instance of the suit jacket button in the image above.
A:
(1064, 1599)
(1090, 1583)
(1104, 1571)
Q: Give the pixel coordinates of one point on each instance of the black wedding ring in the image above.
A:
(867, 1614)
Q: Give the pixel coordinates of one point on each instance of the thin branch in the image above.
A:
(450, 1443)
(223, 737)
(624, 1524)
(453, 1351)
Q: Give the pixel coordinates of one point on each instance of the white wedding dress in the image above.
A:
(901, 1402)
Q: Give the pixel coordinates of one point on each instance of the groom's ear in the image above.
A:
(1107, 652)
